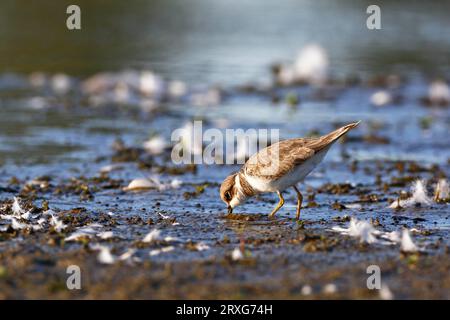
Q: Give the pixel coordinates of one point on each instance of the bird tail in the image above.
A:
(336, 134)
(333, 136)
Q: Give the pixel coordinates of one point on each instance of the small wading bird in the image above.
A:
(278, 167)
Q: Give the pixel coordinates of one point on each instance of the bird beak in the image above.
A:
(230, 210)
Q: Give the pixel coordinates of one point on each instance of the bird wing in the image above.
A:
(281, 157)
(278, 159)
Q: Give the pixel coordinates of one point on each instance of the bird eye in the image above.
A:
(228, 196)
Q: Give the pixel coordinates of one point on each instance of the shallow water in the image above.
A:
(64, 141)
(60, 149)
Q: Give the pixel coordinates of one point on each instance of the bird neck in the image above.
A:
(245, 187)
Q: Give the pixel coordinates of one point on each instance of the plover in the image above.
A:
(279, 166)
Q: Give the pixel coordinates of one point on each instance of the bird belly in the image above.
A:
(295, 176)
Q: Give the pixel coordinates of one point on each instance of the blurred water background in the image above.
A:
(214, 43)
(221, 41)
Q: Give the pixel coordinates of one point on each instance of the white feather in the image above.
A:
(385, 293)
(306, 290)
(381, 98)
(88, 231)
(330, 288)
(359, 229)
(152, 182)
(419, 196)
(407, 244)
(312, 64)
(18, 212)
(105, 256)
(236, 254)
(55, 222)
(439, 92)
(442, 190)
(162, 250)
(156, 145)
(153, 235)
(201, 246)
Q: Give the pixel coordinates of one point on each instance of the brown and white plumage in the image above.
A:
(278, 167)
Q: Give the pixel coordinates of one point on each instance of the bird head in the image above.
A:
(230, 192)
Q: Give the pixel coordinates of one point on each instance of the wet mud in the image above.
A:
(74, 205)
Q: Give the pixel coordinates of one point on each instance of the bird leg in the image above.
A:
(279, 205)
(299, 202)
